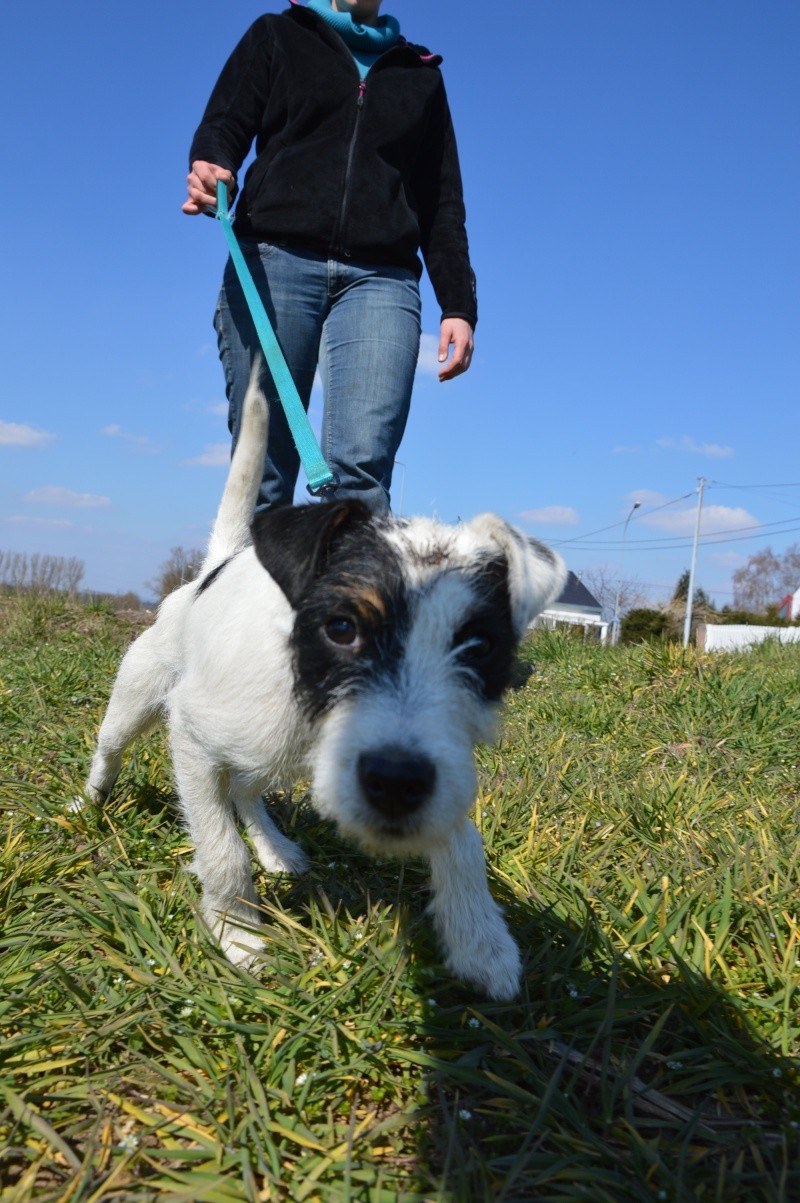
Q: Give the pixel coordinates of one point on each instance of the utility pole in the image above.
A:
(687, 622)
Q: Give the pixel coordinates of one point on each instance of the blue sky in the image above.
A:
(632, 181)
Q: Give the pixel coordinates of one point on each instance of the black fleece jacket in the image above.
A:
(365, 171)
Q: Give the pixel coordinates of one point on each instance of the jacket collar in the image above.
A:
(420, 53)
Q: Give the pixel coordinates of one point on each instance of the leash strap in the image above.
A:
(321, 481)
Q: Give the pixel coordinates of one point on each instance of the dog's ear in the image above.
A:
(536, 575)
(294, 542)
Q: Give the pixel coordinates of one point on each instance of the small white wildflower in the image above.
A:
(359, 935)
(572, 990)
(151, 960)
(777, 1073)
(674, 1065)
(129, 1142)
(473, 1022)
(464, 1114)
(300, 1079)
(346, 964)
(432, 1002)
(186, 1011)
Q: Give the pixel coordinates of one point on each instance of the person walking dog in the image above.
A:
(355, 175)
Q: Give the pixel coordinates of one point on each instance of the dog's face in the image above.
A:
(403, 643)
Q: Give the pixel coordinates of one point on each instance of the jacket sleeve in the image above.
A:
(235, 109)
(443, 234)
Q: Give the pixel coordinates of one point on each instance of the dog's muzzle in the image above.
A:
(394, 784)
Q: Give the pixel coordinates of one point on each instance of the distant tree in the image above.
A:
(127, 601)
(770, 617)
(703, 609)
(603, 582)
(180, 566)
(766, 579)
(644, 625)
(40, 574)
(681, 593)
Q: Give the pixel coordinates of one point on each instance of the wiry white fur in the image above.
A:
(218, 664)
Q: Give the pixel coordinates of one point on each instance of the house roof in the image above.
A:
(575, 593)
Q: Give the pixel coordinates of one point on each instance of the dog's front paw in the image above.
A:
(494, 965)
(243, 948)
(283, 856)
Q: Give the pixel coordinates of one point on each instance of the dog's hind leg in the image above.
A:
(222, 860)
(135, 705)
(276, 852)
(469, 923)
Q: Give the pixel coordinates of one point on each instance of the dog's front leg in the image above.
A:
(277, 853)
(222, 861)
(469, 923)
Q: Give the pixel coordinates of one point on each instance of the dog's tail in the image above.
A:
(231, 531)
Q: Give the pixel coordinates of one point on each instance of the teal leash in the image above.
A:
(321, 481)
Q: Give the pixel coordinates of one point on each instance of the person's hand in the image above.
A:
(202, 186)
(456, 333)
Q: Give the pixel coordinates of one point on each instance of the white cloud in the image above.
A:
(214, 455)
(218, 408)
(140, 442)
(647, 497)
(428, 361)
(29, 521)
(727, 559)
(552, 515)
(14, 435)
(54, 495)
(692, 447)
(714, 520)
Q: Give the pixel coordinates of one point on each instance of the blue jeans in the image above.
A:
(362, 325)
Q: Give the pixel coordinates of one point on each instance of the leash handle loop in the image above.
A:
(321, 481)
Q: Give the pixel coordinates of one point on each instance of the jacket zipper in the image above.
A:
(362, 88)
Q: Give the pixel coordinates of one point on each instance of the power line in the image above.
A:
(672, 544)
(777, 485)
(679, 540)
(614, 525)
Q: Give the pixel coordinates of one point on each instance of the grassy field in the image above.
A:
(641, 820)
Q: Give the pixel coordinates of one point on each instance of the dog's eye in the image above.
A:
(475, 645)
(342, 631)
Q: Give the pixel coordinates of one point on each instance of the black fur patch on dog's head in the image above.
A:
(485, 643)
(345, 583)
(294, 542)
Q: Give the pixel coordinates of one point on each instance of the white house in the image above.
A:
(575, 607)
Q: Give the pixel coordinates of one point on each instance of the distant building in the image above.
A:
(789, 608)
(576, 607)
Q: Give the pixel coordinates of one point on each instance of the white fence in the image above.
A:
(713, 638)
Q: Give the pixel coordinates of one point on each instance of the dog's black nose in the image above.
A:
(396, 784)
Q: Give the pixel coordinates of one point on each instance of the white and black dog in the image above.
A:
(369, 654)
